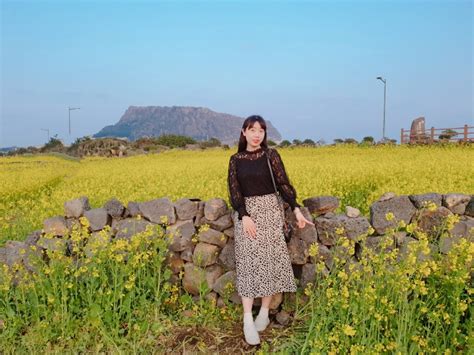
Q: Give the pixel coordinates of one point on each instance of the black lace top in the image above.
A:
(249, 175)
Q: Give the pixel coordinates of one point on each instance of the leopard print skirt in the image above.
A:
(263, 265)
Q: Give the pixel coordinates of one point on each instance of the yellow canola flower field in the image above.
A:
(34, 188)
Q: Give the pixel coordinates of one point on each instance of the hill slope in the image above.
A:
(199, 123)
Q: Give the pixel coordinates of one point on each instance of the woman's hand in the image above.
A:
(301, 219)
(249, 227)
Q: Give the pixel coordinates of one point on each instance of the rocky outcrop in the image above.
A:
(199, 123)
(417, 131)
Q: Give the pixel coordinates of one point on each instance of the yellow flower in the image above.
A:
(411, 227)
(451, 220)
(342, 275)
(84, 222)
(204, 227)
(313, 249)
(389, 216)
(420, 340)
(164, 219)
(379, 347)
(345, 292)
(349, 331)
(346, 243)
(320, 266)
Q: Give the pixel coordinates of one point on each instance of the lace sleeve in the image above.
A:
(282, 181)
(235, 194)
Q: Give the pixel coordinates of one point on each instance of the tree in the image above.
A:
(350, 141)
(270, 143)
(174, 140)
(285, 143)
(53, 144)
(448, 134)
(388, 141)
(297, 142)
(308, 141)
(212, 142)
(338, 141)
(77, 142)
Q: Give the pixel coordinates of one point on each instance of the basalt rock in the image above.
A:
(200, 255)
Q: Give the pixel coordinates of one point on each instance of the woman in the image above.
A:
(263, 265)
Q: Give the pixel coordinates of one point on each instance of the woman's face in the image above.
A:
(254, 135)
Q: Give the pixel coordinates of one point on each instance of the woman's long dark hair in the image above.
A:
(248, 123)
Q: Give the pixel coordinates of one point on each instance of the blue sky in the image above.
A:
(308, 67)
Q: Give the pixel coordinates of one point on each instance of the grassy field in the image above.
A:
(35, 188)
(420, 305)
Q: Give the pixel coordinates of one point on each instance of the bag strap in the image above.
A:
(282, 209)
(271, 174)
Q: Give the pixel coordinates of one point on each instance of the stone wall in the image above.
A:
(203, 243)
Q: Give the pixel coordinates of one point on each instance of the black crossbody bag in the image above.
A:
(287, 227)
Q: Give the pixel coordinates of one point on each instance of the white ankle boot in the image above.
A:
(250, 332)
(261, 322)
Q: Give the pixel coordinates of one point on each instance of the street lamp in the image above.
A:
(70, 109)
(384, 101)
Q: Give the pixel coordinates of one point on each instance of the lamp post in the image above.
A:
(384, 101)
(70, 109)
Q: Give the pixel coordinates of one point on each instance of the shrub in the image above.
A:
(212, 142)
(174, 140)
(54, 144)
(350, 141)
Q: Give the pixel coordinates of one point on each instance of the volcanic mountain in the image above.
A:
(199, 123)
